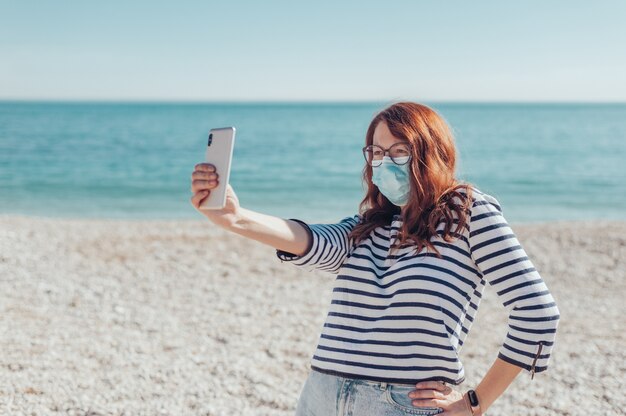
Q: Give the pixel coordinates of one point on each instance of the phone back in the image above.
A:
(219, 153)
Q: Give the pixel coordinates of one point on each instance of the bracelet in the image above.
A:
(479, 410)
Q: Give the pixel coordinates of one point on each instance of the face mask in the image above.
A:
(392, 180)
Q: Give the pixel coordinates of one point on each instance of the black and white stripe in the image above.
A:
(403, 317)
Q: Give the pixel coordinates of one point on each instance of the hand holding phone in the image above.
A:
(201, 188)
(219, 153)
(207, 177)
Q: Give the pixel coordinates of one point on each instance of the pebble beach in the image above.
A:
(181, 317)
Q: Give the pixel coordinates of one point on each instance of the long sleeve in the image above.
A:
(328, 246)
(533, 313)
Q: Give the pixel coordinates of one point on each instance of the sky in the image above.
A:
(320, 50)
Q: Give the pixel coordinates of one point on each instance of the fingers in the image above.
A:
(436, 385)
(433, 393)
(430, 390)
(205, 167)
(203, 185)
(197, 199)
(201, 174)
(426, 394)
(204, 177)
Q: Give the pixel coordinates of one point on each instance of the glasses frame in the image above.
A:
(386, 152)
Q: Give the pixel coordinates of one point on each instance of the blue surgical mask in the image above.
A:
(392, 180)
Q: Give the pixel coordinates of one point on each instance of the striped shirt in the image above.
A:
(402, 317)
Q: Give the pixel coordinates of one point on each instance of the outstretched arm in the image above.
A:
(282, 234)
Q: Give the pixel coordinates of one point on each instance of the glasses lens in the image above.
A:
(373, 155)
(399, 153)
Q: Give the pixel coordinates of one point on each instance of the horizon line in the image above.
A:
(291, 101)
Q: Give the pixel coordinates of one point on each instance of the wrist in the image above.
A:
(467, 404)
(472, 402)
(240, 220)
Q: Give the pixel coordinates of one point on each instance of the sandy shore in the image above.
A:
(119, 317)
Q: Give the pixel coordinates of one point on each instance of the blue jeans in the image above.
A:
(328, 395)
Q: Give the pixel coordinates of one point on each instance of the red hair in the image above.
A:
(435, 195)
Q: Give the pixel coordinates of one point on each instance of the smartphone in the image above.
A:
(219, 153)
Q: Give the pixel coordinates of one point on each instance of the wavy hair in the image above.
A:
(435, 195)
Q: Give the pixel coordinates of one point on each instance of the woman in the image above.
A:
(411, 268)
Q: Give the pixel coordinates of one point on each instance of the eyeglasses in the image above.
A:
(374, 154)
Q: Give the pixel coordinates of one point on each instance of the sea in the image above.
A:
(133, 160)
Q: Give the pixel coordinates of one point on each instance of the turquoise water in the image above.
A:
(302, 160)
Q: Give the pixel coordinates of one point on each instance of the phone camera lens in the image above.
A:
(210, 138)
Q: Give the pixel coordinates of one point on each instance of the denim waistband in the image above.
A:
(382, 384)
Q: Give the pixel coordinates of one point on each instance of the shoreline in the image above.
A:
(9, 216)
